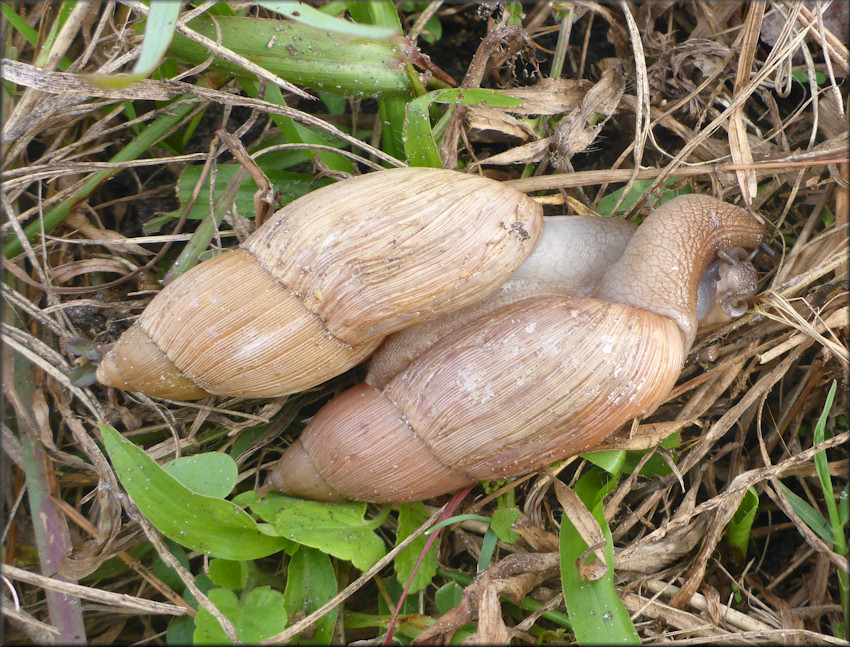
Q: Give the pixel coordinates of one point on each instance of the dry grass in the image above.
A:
(713, 106)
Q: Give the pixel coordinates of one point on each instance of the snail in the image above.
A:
(317, 287)
(533, 381)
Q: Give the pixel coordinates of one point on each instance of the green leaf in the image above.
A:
(488, 546)
(503, 519)
(209, 525)
(610, 460)
(165, 572)
(448, 596)
(606, 204)
(180, 631)
(813, 519)
(821, 464)
(159, 30)
(410, 517)
(307, 15)
(258, 615)
(311, 583)
(158, 33)
(597, 614)
(229, 574)
(336, 528)
(433, 30)
(742, 522)
(419, 143)
(211, 474)
(844, 506)
(801, 76)
(319, 59)
(291, 186)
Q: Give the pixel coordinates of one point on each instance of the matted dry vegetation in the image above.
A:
(723, 98)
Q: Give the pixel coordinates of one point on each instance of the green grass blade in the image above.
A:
(65, 10)
(390, 109)
(812, 518)
(419, 141)
(307, 15)
(839, 540)
(158, 129)
(597, 614)
(158, 32)
(28, 32)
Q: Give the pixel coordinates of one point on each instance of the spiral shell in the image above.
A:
(526, 373)
(528, 383)
(314, 290)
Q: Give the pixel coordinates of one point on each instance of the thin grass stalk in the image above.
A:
(157, 130)
(52, 539)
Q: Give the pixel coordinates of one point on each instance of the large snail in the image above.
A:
(536, 380)
(314, 290)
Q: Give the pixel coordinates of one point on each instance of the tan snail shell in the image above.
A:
(315, 289)
(528, 384)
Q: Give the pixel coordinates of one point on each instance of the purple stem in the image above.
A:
(448, 511)
(51, 531)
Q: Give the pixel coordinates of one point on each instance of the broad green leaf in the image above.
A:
(448, 596)
(165, 572)
(606, 204)
(209, 525)
(742, 522)
(311, 583)
(336, 528)
(258, 615)
(419, 144)
(204, 584)
(597, 614)
(319, 59)
(229, 574)
(610, 461)
(656, 465)
(503, 519)
(307, 15)
(211, 474)
(180, 631)
(410, 517)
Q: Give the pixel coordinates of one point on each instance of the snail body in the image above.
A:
(314, 291)
(530, 383)
(571, 255)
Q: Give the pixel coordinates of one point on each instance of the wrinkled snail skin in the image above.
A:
(686, 235)
(533, 382)
(314, 290)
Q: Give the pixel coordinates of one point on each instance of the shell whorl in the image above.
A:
(313, 291)
(490, 376)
